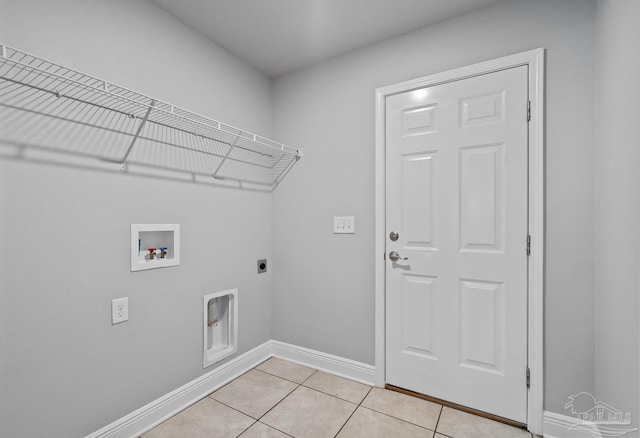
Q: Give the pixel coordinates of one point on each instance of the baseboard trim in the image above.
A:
(563, 426)
(147, 417)
(350, 369)
(144, 419)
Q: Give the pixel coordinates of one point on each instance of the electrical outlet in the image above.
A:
(119, 310)
(262, 266)
(344, 225)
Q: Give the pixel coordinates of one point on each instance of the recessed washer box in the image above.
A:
(154, 246)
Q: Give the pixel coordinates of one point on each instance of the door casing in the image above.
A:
(534, 59)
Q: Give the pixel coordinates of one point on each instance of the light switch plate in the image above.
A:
(344, 225)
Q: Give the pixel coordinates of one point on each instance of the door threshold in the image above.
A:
(456, 406)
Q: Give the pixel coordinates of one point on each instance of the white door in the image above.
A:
(456, 195)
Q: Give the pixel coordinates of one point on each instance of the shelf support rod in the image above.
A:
(286, 170)
(135, 137)
(232, 145)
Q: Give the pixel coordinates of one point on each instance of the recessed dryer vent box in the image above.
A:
(154, 246)
(220, 326)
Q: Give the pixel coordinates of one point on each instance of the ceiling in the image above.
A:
(279, 36)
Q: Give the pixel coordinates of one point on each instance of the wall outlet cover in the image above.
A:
(119, 310)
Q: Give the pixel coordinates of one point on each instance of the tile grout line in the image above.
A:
(302, 384)
(277, 404)
(282, 399)
(297, 386)
(438, 421)
(284, 378)
(335, 396)
(280, 377)
(403, 420)
(250, 426)
(228, 383)
(270, 409)
(237, 410)
(353, 413)
(258, 420)
(275, 428)
(399, 419)
(244, 413)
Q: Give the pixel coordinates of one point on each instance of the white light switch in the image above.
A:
(344, 225)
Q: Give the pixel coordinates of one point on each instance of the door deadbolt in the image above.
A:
(393, 236)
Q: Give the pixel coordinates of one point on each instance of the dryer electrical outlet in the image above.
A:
(344, 225)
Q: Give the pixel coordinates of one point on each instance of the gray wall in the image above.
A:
(67, 367)
(324, 283)
(64, 243)
(617, 205)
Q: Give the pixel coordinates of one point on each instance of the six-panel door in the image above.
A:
(456, 194)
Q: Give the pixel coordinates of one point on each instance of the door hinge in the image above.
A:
(528, 244)
(528, 110)
(528, 378)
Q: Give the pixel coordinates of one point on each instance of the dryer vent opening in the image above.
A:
(220, 314)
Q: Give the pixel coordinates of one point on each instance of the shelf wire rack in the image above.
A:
(53, 108)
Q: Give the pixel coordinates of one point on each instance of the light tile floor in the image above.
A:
(280, 399)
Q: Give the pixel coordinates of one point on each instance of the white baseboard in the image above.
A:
(337, 365)
(154, 413)
(563, 426)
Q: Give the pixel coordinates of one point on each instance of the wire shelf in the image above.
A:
(54, 108)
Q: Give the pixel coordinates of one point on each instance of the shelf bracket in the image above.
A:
(137, 134)
(231, 146)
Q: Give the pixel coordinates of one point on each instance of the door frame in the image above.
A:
(534, 59)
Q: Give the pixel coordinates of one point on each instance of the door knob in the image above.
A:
(394, 256)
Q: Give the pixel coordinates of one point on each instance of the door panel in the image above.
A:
(481, 206)
(418, 306)
(456, 193)
(481, 326)
(419, 210)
